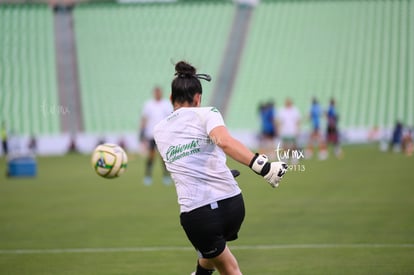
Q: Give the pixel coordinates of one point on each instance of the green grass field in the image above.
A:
(348, 216)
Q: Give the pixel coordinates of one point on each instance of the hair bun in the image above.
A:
(184, 69)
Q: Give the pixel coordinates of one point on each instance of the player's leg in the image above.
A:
(323, 149)
(292, 146)
(313, 137)
(204, 267)
(149, 162)
(209, 228)
(5, 147)
(225, 263)
(338, 149)
(319, 141)
(336, 143)
(329, 139)
(234, 211)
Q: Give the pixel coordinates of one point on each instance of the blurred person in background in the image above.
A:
(4, 138)
(153, 112)
(397, 136)
(194, 142)
(407, 142)
(268, 131)
(332, 132)
(289, 119)
(32, 144)
(315, 137)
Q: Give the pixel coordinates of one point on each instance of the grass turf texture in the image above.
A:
(348, 216)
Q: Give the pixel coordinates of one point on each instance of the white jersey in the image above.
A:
(154, 111)
(197, 165)
(289, 119)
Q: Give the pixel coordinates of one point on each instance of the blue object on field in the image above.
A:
(22, 167)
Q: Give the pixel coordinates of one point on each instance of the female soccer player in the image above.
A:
(193, 142)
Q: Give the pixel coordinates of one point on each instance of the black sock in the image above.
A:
(148, 167)
(202, 271)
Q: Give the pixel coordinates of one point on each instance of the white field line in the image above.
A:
(184, 248)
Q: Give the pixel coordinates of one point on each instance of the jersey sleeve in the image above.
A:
(213, 119)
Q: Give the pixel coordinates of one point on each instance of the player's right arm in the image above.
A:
(231, 146)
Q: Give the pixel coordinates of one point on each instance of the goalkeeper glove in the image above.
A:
(272, 172)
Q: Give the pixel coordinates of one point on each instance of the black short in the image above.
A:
(332, 135)
(209, 227)
(152, 144)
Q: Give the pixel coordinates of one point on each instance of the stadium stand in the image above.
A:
(359, 52)
(124, 50)
(29, 100)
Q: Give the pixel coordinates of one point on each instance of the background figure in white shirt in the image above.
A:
(193, 142)
(289, 119)
(153, 112)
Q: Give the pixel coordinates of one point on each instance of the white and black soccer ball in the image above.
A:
(109, 160)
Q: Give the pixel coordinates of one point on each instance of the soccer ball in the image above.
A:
(109, 160)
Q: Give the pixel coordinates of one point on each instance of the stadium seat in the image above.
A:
(359, 52)
(125, 50)
(29, 100)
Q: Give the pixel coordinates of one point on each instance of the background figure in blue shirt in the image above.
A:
(315, 138)
(332, 132)
(396, 139)
(268, 130)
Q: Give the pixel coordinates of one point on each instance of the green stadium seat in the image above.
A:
(359, 52)
(125, 50)
(28, 71)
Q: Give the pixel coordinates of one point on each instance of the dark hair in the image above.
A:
(185, 84)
